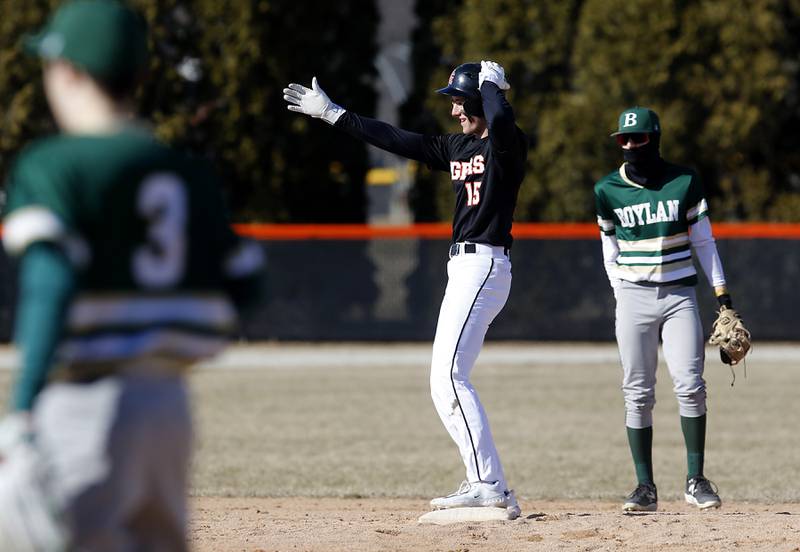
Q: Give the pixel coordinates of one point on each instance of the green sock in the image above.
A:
(641, 443)
(694, 434)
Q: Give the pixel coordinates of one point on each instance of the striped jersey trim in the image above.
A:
(144, 344)
(661, 260)
(654, 259)
(625, 178)
(214, 313)
(606, 225)
(660, 243)
(693, 214)
(655, 273)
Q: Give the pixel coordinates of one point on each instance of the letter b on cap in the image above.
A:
(630, 120)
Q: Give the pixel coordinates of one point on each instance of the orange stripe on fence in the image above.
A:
(556, 231)
(528, 230)
(523, 230)
(755, 230)
(342, 231)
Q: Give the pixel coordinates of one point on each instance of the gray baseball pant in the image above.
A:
(646, 313)
(118, 452)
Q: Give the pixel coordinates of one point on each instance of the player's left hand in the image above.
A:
(312, 101)
(731, 335)
(493, 72)
(15, 429)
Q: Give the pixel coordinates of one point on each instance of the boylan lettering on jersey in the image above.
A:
(643, 213)
(459, 170)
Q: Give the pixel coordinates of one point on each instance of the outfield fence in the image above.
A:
(362, 283)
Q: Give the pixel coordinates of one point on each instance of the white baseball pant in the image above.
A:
(477, 289)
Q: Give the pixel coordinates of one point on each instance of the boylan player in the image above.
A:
(653, 218)
(127, 271)
(486, 163)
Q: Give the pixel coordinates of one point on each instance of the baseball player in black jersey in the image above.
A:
(486, 162)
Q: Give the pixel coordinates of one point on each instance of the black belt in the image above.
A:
(647, 283)
(456, 250)
(470, 248)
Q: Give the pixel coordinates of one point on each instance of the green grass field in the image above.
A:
(318, 431)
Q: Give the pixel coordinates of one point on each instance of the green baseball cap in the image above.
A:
(636, 120)
(105, 38)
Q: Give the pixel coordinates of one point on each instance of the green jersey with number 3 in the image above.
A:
(146, 231)
(651, 224)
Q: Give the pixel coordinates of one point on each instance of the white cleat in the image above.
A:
(512, 506)
(477, 495)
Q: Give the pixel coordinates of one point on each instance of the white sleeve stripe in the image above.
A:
(28, 225)
(697, 210)
(245, 260)
(605, 224)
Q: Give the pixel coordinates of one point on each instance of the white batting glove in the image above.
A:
(493, 72)
(312, 101)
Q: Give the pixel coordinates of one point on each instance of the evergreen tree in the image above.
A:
(428, 198)
(216, 78)
(722, 75)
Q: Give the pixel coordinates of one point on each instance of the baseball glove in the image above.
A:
(729, 333)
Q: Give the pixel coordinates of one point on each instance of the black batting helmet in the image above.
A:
(463, 82)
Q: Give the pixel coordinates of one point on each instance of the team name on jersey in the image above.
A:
(644, 213)
(459, 170)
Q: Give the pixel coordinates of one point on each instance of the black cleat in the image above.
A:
(702, 493)
(643, 499)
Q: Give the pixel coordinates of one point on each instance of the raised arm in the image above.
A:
(385, 136)
(498, 111)
(315, 103)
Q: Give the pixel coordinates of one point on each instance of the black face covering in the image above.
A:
(644, 163)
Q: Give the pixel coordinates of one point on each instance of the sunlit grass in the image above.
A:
(559, 429)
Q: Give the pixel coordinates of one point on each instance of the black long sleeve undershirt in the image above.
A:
(383, 135)
(499, 118)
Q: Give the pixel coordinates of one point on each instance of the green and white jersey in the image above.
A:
(651, 224)
(145, 229)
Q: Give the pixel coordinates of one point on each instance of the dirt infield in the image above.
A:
(335, 524)
(334, 424)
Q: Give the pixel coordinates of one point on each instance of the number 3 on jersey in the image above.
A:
(161, 261)
(473, 193)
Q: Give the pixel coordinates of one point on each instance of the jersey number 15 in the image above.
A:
(473, 193)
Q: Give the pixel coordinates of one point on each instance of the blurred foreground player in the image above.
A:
(486, 162)
(128, 273)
